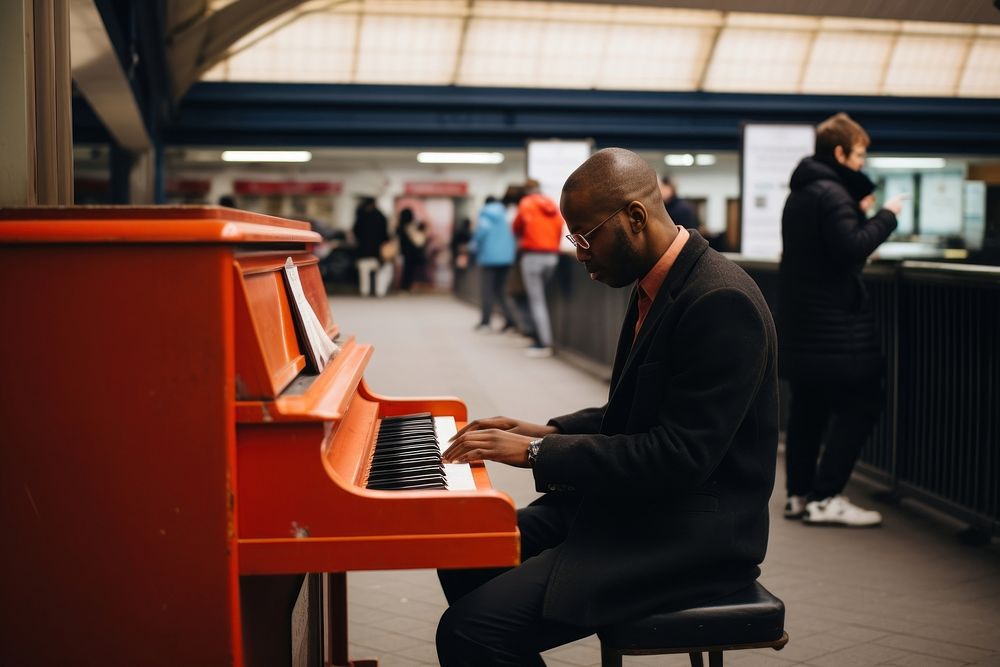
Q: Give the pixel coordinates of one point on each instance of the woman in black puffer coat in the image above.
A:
(830, 350)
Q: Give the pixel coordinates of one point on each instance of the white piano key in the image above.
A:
(458, 476)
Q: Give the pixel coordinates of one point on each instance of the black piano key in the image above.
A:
(402, 464)
(412, 471)
(409, 483)
(407, 448)
(413, 417)
(411, 487)
(407, 454)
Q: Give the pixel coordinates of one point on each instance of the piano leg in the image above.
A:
(335, 589)
(281, 620)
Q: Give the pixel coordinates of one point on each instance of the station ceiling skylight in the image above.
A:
(614, 47)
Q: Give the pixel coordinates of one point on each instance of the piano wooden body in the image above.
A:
(167, 454)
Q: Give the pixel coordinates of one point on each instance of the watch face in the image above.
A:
(533, 451)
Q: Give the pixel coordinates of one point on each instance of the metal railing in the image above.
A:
(938, 439)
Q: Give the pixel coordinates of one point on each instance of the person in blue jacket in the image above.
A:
(495, 249)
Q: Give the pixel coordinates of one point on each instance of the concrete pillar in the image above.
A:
(36, 142)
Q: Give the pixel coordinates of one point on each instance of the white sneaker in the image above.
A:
(795, 507)
(538, 351)
(838, 511)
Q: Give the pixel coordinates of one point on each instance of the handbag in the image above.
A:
(389, 250)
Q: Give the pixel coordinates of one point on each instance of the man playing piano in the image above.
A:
(658, 499)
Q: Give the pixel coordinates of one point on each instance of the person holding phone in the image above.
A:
(830, 348)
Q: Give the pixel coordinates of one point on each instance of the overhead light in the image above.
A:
(460, 158)
(679, 159)
(906, 162)
(704, 159)
(266, 156)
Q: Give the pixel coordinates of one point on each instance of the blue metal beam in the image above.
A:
(259, 114)
(246, 114)
(136, 31)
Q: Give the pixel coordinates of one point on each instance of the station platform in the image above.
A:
(907, 593)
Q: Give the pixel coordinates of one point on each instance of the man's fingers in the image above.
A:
(476, 425)
(471, 455)
(458, 446)
(483, 424)
(461, 446)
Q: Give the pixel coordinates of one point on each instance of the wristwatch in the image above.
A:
(533, 451)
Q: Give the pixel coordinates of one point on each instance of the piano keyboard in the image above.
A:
(408, 455)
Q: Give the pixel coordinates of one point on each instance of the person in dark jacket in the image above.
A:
(658, 499)
(830, 351)
(413, 247)
(679, 210)
(371, 233)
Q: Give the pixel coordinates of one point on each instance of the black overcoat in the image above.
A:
(675, 471)
(826, 327)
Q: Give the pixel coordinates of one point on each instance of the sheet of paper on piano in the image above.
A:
(457, 475)
(319, 348)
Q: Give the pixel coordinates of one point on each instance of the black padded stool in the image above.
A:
(750, 618)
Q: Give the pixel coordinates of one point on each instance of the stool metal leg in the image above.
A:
(696, 659)
(715, 659)
(610, 657)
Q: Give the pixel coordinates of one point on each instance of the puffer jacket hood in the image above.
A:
(809, 171)
(813, 169)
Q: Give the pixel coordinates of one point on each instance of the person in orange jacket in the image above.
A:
(538, 227)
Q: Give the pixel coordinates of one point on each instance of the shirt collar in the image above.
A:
(650, 284)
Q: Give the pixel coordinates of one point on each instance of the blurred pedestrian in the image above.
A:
(679, 210)
(373, 251)
(412, 235)
(493, 240)
(538, 226)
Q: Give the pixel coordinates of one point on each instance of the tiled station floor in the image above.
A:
(907, 593)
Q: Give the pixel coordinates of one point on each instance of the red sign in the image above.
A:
(188, 186)
(436, 188)
(244, 187)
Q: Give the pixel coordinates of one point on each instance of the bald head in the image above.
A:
(612, 201)
(614, 176)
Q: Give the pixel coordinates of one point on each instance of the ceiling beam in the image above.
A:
(947, 11)
(199, 44)
(247, 114)
(99, 77)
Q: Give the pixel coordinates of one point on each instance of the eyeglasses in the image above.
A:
(580, 240)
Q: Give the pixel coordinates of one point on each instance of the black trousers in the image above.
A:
(493, 288)
(846, 413)
(413, 266)
(494, 616)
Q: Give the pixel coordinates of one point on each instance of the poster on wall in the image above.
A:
(769, 153)
(550, 162)
(974, 214)
(941, 204)
(901, 184)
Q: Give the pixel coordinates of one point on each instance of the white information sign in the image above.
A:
(550, 162)
(974, 214)
(901, 184)
(769, 155)
(941, 204)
